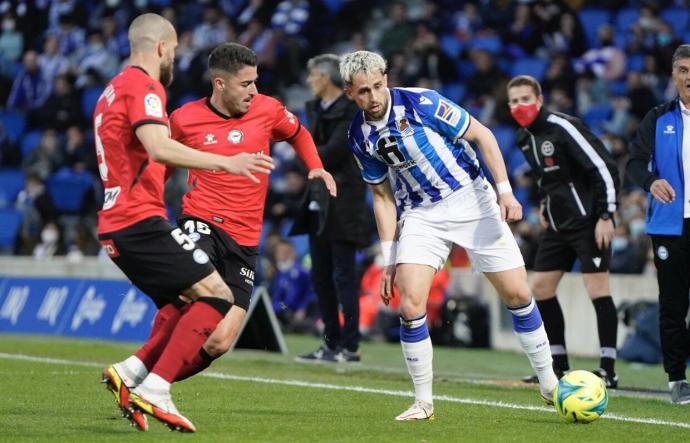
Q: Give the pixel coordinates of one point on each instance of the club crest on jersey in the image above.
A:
(404, 127)
(290, 116)
(547, 148)
(235, 136)
(210, 139)
(447, 113)
(153, 105)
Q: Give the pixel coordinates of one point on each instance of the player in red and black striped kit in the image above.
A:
(133, 146)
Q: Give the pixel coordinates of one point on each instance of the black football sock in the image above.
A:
(607, 325)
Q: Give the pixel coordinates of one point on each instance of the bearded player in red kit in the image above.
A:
(133, 146)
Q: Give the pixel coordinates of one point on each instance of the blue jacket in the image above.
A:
(657, 152)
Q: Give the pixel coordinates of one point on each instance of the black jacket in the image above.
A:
(346, 216)
(577, 178)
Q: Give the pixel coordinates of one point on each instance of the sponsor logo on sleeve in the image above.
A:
(447, 113)
(153, 106)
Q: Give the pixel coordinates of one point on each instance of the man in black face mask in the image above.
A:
(578, 183)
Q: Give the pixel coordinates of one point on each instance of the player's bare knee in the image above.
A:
(516, 297)
(217, 346)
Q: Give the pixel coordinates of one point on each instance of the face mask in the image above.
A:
(49, 235)
(619, 243)
(636, 227)
(525, 114)
(285, 265)
(8, 25)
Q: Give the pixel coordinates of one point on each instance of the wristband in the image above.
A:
(388, 252)
(503, 187)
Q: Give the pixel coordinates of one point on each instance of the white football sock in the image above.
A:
(135, 370)
(155, 383)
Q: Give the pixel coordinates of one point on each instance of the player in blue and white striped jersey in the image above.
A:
(430, 192)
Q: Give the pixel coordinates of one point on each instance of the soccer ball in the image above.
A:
(580, 397)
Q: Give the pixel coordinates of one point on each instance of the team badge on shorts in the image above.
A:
(200, 256)
(235, 136)
(662, 252)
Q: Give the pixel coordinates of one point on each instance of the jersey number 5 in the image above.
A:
(100, 152)
(386, 146)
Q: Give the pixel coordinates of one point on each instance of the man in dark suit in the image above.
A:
(336, 226)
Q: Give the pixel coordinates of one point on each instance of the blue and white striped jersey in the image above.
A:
(417, 145)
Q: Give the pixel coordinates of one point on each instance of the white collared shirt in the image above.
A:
(685, 112)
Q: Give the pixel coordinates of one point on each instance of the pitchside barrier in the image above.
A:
(93, 299)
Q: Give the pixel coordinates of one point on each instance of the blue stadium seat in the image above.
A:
(677, 18)
(88, 100)
(618, 88)
(30, 141)
(14, 123)
(465, 69)
(11, 221)
(11, 182)
(596, 115)
(625, 18)
(451, 45)
(185, 99)
(67, 189)
(591, 19)
(301, 245)
(505, 136)
(635, 62)
(534, 66)
(489, 43)
(453, 91)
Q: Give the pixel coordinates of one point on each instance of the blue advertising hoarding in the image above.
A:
(106, 309)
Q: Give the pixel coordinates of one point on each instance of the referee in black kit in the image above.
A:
(578, 182)
(660, 163)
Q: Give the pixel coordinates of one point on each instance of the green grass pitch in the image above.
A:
(51, 392)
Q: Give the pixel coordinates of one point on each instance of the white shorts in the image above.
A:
(470, 217)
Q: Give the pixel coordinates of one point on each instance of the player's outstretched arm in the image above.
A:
(484, 138)
(386, 224)
(161, 148)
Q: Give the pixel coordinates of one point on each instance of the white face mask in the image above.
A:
(112, 3)
(285, 265)
(49, 235)
(8, 25)
(619, 243)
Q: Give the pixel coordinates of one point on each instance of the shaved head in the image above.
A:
(147, 30)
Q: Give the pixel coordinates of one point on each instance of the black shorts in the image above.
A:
(158, 258)
(557, 251)
(236, 264)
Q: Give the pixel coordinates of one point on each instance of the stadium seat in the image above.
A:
(596, 115)
(534, 66)
(591, 19)
(88, 100)
(489, 43)
(677, 18)
(301, 245)
(67, 189)
(465, 69)
(618, 88)
(14, 123)
(11, 221)
(185, 99)
(11, 182)
(30, 141)
(453, 91)
(635, 62)
(451, 45)
(625, 19)
(505, 136)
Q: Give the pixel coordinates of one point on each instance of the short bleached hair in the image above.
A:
(361, 61)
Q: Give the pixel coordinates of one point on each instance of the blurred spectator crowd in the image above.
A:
(607, 62)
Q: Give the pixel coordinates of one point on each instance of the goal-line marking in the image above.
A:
(360, 389)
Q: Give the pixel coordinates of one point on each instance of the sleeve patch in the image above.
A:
(153, 106)
(447, 113)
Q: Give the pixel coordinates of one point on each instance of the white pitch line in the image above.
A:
(361, 389)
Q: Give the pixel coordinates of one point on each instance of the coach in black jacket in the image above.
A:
(336, 226)
(578, 182)
(660, 163)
